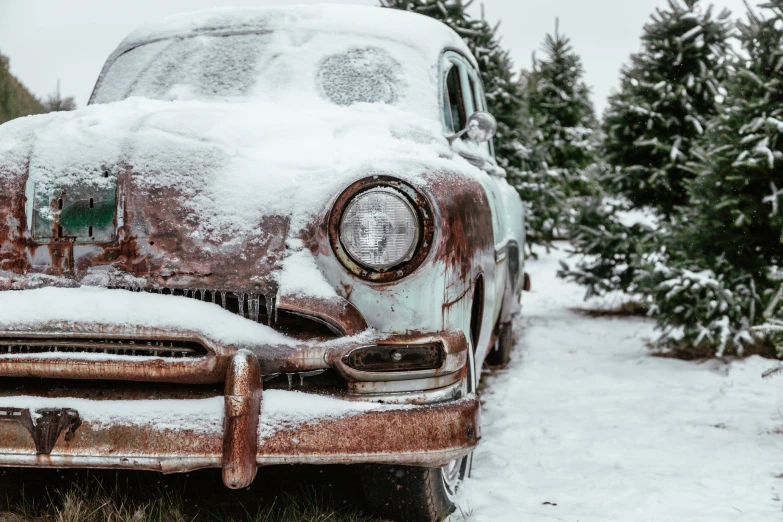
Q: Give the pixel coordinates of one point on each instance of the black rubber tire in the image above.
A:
(406, 493)
(500, 354)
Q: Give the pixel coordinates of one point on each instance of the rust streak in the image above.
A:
(242, 408)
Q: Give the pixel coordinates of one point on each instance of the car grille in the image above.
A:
(256, 307)
(128, 347)
(259, 308)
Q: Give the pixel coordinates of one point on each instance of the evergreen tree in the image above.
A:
(712, 274)
(732, 232)
(544, 199)
(737, 202)
(15, 100)
(668, 94)
(612, 249)
(559, 105)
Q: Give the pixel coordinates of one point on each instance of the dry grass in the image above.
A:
(48, 496)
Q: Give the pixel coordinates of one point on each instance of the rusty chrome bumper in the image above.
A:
(235, 437)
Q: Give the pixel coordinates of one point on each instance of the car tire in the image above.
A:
(416, 494)
(500, 354)
(407, 493)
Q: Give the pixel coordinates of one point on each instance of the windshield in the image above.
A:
(343, 69)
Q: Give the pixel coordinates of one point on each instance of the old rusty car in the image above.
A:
(276, 235)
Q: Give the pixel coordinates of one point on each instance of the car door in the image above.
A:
(463, 94)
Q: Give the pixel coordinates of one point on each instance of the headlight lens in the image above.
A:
(379, 229)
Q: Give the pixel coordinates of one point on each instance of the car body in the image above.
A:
(173, 257)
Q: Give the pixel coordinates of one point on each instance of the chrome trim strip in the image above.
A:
(438, 395)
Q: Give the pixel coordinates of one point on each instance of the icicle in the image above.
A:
(223, 300)
(311, 373)
(253, 306)
(213, 292)
(241, 299)
(290, 380)
(186, 292)
(269, 307)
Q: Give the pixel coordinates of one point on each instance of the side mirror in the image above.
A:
(481, 127)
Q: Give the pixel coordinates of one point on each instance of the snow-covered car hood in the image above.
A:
(203, 190)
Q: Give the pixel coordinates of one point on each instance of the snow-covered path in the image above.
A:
(585, 426)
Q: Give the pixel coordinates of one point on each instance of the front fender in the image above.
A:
(439, 294)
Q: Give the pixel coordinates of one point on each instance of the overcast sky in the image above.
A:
(48, 40)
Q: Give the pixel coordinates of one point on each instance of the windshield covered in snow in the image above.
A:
(343, 69)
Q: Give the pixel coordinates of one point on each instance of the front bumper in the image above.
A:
(430, 435)
(229, 432)
(198, 399)
(244, 428)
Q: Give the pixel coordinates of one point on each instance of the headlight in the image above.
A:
(379, 229)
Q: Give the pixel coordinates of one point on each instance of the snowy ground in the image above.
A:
(585, 426)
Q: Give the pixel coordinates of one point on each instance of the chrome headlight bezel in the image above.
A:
(416, 202)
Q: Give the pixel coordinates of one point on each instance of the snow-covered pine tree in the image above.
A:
(737, 200)
(669, 92)
(722, 284)
(506, 102)
(544, 200)
(558, 101)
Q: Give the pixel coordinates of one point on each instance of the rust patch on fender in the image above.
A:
(467, 236)
(14, 243)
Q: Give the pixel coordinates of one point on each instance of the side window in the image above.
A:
(478, 91)
(454, 101)
(463, 94)
(457, 92)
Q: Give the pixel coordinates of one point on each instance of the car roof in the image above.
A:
(425, 33)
